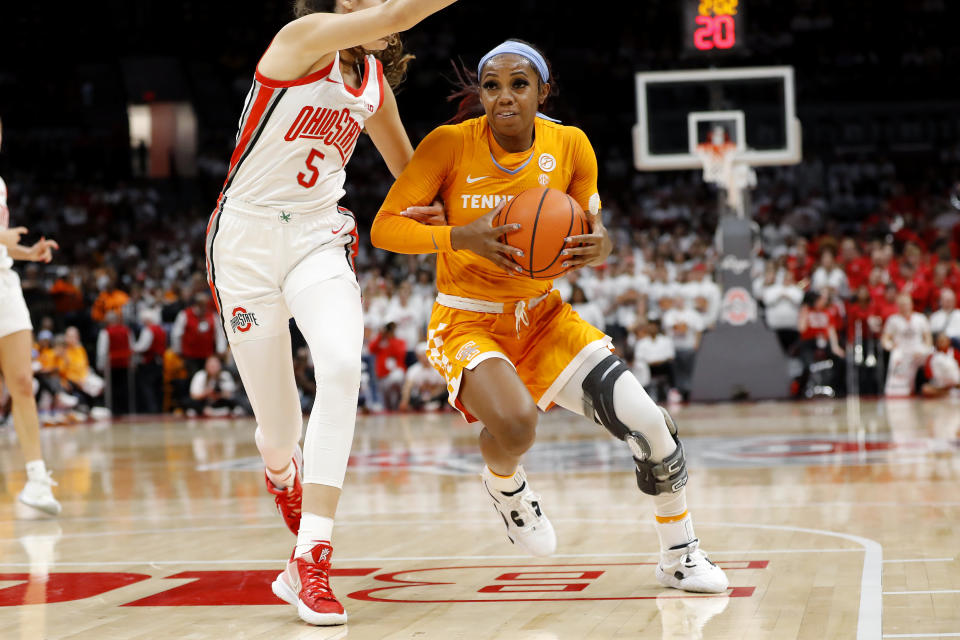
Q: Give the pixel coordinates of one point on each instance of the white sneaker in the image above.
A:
(688, 568)
(37, 494)
(522, 515)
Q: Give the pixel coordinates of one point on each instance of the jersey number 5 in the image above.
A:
(308, 180)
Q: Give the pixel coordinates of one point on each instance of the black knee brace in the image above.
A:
(670, 474)
(598, 404)
(667, 476)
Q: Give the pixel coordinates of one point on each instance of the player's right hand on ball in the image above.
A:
(483, 239)
(11, 237)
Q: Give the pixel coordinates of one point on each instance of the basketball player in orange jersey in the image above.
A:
(507, 344)
(16, 356)
(279, 246)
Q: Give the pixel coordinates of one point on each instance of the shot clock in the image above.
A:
(713, 26)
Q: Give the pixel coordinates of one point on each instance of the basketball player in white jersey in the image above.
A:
(16, 344)
(279, 246)
(906, 335)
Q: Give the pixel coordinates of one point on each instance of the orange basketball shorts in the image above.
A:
(545, 354)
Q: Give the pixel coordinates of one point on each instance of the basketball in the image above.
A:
(547, 218)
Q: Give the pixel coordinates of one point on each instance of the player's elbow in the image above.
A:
(377, 235)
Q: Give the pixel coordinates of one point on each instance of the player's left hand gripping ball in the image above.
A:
(591, 249)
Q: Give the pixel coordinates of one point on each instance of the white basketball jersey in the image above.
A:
(5, 260)
(295, 137)
(907, 334)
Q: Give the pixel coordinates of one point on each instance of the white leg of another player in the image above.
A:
(330, 316)
(266, 369)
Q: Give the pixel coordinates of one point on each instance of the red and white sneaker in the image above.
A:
(289, 499)
(305, 583)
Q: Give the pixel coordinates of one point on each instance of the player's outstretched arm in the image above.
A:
(301, 43)
(40, 251)
(11, 237)
(388, 135)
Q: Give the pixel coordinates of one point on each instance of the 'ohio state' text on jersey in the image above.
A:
(296, 137)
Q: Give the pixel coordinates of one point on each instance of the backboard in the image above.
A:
(676, 111)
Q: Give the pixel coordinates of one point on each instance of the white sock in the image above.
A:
(674, 524)
(285, 478)
(36, 470)
(313, 529)
(670, 504)
(505, 484)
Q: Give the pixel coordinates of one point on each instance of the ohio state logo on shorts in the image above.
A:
(242, 320)
(738, 307)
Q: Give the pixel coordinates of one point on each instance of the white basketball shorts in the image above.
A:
(259, 258)
(14, 315)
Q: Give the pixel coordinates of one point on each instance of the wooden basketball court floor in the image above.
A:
(834, 520)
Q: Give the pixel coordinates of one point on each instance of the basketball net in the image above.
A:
(720, 167)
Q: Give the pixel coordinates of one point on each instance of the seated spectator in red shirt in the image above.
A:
(818, 339)
(915, 284)
(877, 282)
(886, 305)
(939, 281)
(391, 354)
(799, 260)
(862, 313)
(817, 322)
(915, 257)
(882, 257)
(856, 265)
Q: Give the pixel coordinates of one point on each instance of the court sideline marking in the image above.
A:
(870, 618)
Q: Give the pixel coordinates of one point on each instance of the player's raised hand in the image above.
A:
(483, 239)
(433, 215)
(594, 247)
(42, 250)
(11, 237)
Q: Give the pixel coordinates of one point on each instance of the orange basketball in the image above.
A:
(547, 218)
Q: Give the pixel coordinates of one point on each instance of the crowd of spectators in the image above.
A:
(866, 305)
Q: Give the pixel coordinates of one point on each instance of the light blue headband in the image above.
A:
(520, 49)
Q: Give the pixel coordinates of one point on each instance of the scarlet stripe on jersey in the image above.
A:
(264, 103)
(352, 248)
(214, 225)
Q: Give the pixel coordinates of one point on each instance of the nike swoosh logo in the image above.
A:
(477, 179)
(340, 229)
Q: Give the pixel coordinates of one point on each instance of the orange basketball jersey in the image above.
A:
(471, 173)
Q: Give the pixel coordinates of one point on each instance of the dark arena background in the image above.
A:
(797, 316)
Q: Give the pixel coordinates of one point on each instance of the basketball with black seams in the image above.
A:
(547, 217)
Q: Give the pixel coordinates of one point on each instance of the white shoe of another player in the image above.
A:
(688, 568)
(37, 495)
(522, 515)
